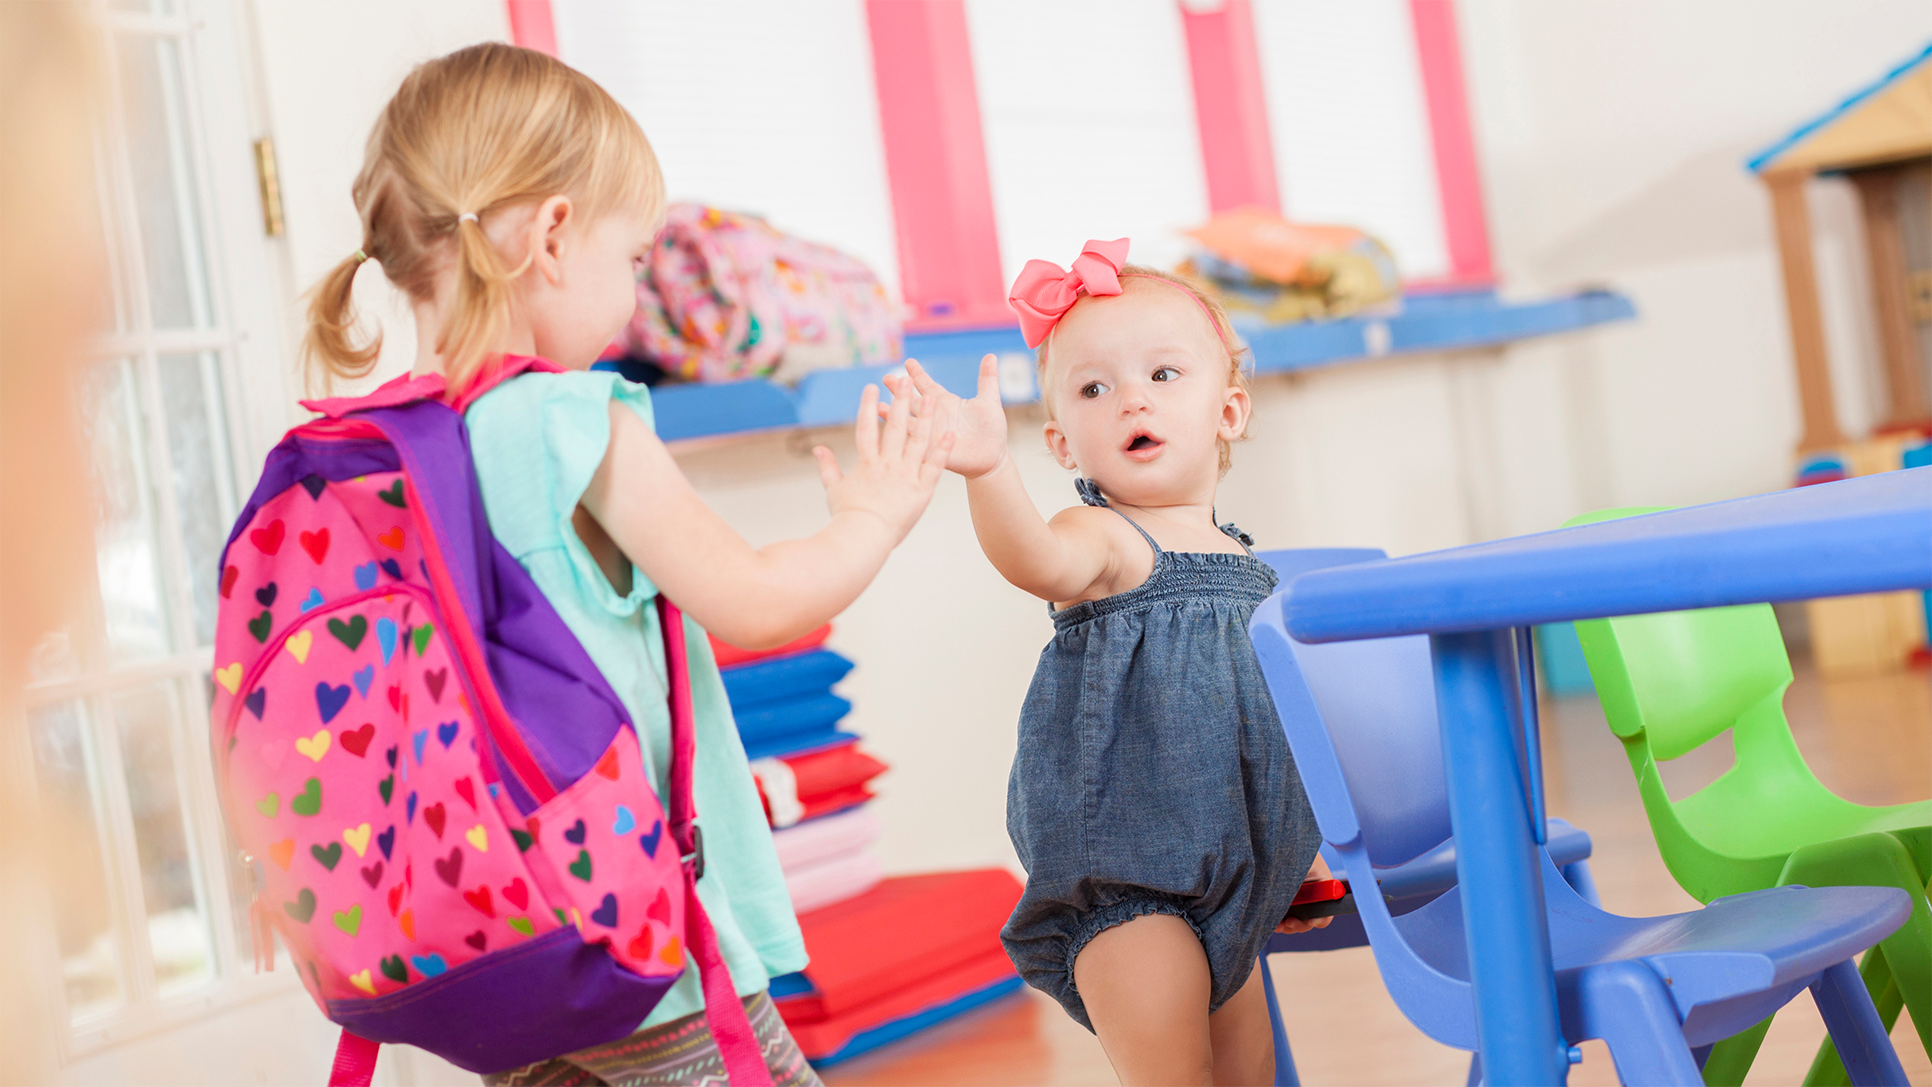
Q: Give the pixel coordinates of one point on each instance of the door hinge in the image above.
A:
(271, 185)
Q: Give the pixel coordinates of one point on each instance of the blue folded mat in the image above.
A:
(770, 720)
(777, 678)
(796, 743)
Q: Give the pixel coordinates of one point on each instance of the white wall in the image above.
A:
(1613, 137)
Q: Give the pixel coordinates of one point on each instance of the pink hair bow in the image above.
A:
(1043, 293)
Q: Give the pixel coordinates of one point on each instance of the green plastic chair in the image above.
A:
(1672, 682)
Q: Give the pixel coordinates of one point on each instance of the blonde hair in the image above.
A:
(1217, 315)
(482, 129)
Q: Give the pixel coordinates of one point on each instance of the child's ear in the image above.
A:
(1235, 410)
(547, 236)
(1056, 443)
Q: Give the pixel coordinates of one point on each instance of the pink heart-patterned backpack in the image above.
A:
(457, 840)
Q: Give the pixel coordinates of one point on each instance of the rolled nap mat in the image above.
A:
(868, 952)
(728, 654)
(798, 787)
(817, 885)
(818, 840)
(776, 679)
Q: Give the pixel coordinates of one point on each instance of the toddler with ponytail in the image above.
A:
(509, 198)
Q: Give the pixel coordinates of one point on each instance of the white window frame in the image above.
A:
(246, 277)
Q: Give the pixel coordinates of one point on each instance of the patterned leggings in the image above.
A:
(675, 1054)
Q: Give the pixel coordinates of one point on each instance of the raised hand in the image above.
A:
(898, 467)
(979, 424)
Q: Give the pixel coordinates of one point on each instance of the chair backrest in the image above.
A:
(1361, 719)
(1680, 679)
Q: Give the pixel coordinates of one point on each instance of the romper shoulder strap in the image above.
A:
(1089, 493)
(1234, 533)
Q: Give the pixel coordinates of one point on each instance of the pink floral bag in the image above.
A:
(725, 296)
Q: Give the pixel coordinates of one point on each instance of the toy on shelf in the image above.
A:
(888, 956)
(1879, 140)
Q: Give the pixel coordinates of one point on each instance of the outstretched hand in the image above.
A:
(899, 464)
(978, 425)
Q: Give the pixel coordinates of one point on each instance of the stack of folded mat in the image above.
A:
(888, 956)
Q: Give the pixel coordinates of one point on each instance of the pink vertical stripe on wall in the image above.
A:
(935, 155)
(1463, 221)
(1230, 109)
(531, 25)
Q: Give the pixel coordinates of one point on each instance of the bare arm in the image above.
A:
(762, 597)
(1055, 561)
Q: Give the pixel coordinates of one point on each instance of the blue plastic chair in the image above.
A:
(1360, 718)
(1409, 886)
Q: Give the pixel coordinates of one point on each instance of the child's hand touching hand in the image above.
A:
(899, 465)
(979, 423)
(1292, 925)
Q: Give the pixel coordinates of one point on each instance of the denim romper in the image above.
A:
(1153, 776)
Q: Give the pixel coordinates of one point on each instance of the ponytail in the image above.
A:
(481, 310)
(332, 321)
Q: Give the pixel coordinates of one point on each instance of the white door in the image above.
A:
(151, 963)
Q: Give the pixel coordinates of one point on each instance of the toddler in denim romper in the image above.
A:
(1153, 799)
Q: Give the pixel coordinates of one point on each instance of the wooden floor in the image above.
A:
(1868, 739)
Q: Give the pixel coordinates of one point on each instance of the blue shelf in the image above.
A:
(1430, 322)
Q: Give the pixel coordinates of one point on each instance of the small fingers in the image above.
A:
(918, 435)
(989, 378)
(922, 380)
(892, 442)
(935, 462)
(866, 431)
(828, 467)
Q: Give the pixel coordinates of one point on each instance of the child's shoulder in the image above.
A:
(546, 400)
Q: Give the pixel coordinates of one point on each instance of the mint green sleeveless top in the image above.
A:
(536, 440)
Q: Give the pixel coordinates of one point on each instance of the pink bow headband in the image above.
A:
(1043, 292)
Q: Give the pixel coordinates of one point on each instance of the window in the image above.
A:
(151, 906)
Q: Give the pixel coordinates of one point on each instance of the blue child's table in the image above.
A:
(1870, 534)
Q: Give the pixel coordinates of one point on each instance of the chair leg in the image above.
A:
(1880, 860)
(1730, 1060)
(1826, 1069)
(1626, 1004)
(1577, 875)
(1853, 1021)
(1284, 1059)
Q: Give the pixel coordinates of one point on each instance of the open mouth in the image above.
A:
(1143, 443)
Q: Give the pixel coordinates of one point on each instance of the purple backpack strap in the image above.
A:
(743, 1058)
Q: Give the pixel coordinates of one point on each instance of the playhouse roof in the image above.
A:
(1885, 122)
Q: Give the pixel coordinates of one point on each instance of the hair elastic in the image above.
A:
(360, 257)
(469, 216)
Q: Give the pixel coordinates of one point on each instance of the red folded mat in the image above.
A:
(814, 783)
(821, 1037)
(900, 934)
(728, 654)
